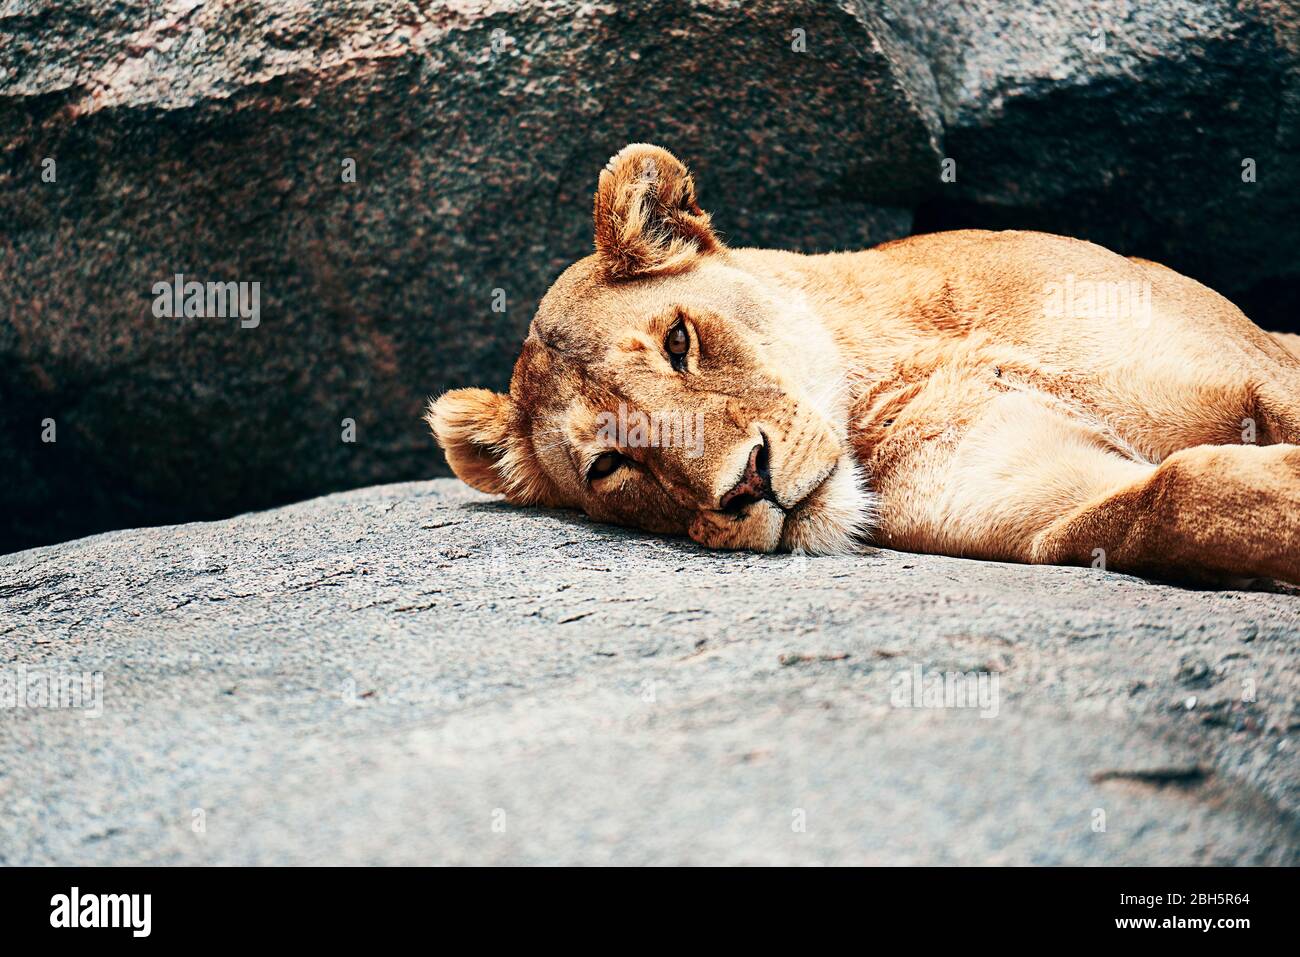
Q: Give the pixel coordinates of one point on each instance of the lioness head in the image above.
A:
(670, 384)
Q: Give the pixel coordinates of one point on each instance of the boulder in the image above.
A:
(403, 181)
(1162, 129)
(415, 674)
(216, 141)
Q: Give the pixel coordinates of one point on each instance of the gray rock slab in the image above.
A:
(417, 674)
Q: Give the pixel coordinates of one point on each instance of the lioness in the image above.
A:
(1000, 395)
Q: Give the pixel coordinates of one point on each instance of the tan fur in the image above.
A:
(1290, 341)
(930, 394)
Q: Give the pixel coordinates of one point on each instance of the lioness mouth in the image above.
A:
(799, 505)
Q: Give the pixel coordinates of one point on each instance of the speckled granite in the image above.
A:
(209, 139)
(416, 674)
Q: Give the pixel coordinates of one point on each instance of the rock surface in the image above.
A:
(209, 139)
(1126, 123)
(414, 673)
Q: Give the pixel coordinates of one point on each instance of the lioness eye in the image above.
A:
(605, 464)
(677, 343)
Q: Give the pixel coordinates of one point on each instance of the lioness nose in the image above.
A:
(754, 485)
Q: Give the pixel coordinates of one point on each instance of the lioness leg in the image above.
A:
(1208, 512)
(1204, 374)
(1024, 482)
(1278, 403)
(1160, 410)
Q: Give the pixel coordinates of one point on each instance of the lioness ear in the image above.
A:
(647, 219)
(475, 427)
